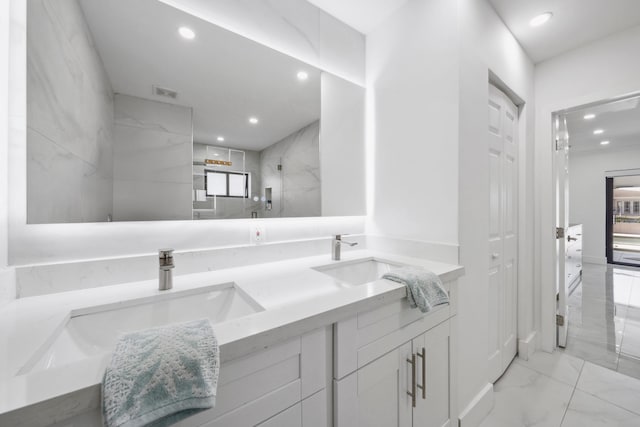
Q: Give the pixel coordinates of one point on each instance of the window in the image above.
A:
(226, 184)
(627, 207)
(636, 207)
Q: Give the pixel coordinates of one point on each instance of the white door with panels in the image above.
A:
(503, 237)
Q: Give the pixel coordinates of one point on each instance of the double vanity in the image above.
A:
(306, 341)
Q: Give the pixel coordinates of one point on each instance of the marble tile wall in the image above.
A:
(295, 188)
(69, 125)
(225, 207)
(152, 160)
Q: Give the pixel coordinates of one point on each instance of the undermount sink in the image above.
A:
(94, 331)
(358, 272)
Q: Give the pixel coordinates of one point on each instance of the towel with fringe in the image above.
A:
(424, 288)
(161, 375)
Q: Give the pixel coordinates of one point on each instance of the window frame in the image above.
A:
(247, 181)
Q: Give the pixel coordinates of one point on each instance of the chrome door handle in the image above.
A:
(423, 387)
(412, 393)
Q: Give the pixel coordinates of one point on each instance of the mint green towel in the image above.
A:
(424, 288)
(162, 375)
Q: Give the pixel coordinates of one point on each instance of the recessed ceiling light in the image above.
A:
(187, 33)
(541, 19)
(220, 139)
(598, 132)
(253, 120)
(216, 154)
(604, 143)
(302, 75)
(589, 116)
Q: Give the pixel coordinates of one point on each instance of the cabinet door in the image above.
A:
(376, 394)
(432, 402)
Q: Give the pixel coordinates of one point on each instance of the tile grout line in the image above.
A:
(584, 362)
(600, 398)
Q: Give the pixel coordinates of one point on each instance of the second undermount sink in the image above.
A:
(93, 332)
(358, 272)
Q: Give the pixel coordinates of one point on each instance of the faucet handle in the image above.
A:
(166, 257)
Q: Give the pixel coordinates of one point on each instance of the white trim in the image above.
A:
(527, 347)
(478, 408)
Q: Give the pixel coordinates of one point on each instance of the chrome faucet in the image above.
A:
(166, 267)
(335, 246)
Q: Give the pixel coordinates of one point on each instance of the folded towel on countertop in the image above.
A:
(424, 288)
(162, 375)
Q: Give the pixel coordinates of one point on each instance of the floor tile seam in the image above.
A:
(607, 401)
(573, 392)
(535, 371)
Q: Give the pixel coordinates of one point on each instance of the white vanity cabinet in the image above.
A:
(283, 385)
(379, 362)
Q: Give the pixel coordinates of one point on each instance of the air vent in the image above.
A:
(166, 92)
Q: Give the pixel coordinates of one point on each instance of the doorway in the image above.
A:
(602, 146)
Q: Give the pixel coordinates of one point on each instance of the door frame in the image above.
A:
(545, 202)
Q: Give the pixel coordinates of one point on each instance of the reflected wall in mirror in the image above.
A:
(139, 111)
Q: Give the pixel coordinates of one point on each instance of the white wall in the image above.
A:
(486, 44)
(412, 76)
(428, 71)
(342, 147)
(284, 27)
(587, 194)
(604, 69)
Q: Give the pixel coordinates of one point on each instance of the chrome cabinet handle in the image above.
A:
(423, 387)
(412, 393)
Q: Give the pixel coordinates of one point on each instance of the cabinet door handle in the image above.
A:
(423, 355)
(412, 393)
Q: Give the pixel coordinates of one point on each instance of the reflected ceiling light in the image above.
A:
(302, 75)
(220, 139)
(598, 132)
(253, 120)
(589, 116)
(604, 143)
(187, 33)
(541, 19)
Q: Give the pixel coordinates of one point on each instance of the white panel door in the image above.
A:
(503, 238)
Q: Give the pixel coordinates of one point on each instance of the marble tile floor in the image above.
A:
(604, 318)
(560, 390)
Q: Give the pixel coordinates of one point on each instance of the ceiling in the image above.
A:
(224, 77)
(620, 121)
(575, 22)
(363, 15)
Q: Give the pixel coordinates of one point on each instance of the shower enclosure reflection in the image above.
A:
(136, 122)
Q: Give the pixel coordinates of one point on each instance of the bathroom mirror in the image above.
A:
(139, 111)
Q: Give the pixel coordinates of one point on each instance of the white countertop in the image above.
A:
(296, 299)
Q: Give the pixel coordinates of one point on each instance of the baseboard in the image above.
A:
(527, 346)
(478, 408)
(594, 260)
